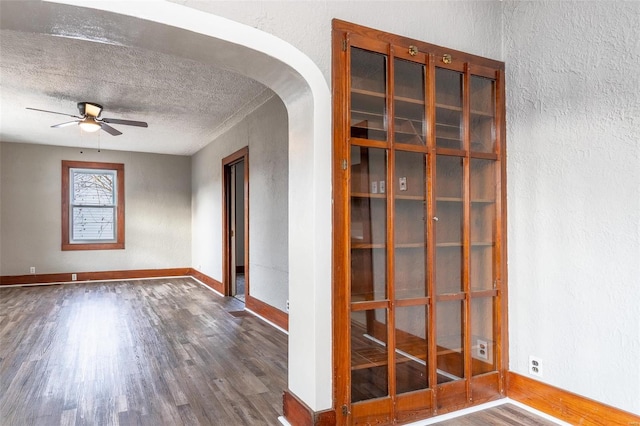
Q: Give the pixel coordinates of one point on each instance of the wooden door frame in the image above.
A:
(240, 155)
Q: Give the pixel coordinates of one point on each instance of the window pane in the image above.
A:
(450, 341)
(369, 355)
(409, 102)
(93, 224)
(411, 348)
(368, 95)
(409, 224)
(91, 188)
(448, 109)
(368, 224)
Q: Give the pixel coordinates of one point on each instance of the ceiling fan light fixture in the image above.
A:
(89, 124)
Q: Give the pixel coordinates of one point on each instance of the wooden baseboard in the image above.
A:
(92, 276)
(564, 405)
(207, 280)
(268, 312)
(298, 413)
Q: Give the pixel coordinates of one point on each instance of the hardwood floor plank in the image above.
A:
(502, 415)
(161, 352)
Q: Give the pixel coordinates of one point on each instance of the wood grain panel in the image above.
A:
(564, 405)
(207, 280)
(268, 312)
(298, 413)
(93, 276)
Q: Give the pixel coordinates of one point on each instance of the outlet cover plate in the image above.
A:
(482, 349)
(535, 366)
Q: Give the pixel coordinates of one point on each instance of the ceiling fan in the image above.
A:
(89, 119)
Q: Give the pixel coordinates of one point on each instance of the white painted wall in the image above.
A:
(573, 121)
(265, 132)
(157, 211)
(470, 26)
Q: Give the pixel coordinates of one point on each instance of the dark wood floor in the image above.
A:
(503, 415)
(155, 352)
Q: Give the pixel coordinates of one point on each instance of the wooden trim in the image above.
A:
(298, 413)
(565, 405)
(93, 276)
(241, 154)
(398, 40)
(207, 280)
(268, 312)
(120, 228)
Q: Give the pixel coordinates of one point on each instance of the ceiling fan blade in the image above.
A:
(110, 129)
(54, 112)
(125, 122)
(68, 123)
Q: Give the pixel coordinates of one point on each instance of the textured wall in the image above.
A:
(573, 120)
(470, 26)
(157, 211)
(265, 132)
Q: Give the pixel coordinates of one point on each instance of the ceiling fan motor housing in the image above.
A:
(90, 109)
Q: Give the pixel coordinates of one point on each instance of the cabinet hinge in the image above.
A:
(344, 45)
(345, 410)
(344, 164)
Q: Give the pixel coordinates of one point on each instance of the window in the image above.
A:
(92, 206)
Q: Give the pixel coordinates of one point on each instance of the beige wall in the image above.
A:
(157, 211)
(265, 132)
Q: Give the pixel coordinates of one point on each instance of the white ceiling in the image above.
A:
(186, 103)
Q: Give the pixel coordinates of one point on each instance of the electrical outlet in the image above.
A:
(74, 277)
(535, 366)
(287, 306)
(32, 269)
(482, 349)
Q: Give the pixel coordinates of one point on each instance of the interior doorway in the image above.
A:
(236, 224)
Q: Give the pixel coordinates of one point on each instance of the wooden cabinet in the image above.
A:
(419, 231)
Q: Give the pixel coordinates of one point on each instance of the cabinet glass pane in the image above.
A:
(410, 188)
(449, 225)
(411, 348)
(368, 95)
(449, 123)
(483, 113)
(483, 224)
(450, 341)
(368, 224)
(483, 335)
(409, 102)
(369, 355)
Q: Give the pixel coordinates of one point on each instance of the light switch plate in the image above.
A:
(403, 184)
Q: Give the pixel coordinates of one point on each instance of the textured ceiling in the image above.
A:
(186, 103)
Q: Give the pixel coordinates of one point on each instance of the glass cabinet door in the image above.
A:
(417, 226)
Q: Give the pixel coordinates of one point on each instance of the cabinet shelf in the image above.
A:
(368, 195)
(359, 246)
(356, 245)
(459, 200)
(459, 244)
(409, 197)
(365, 92)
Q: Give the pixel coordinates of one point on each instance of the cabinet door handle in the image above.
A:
(435, 218)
